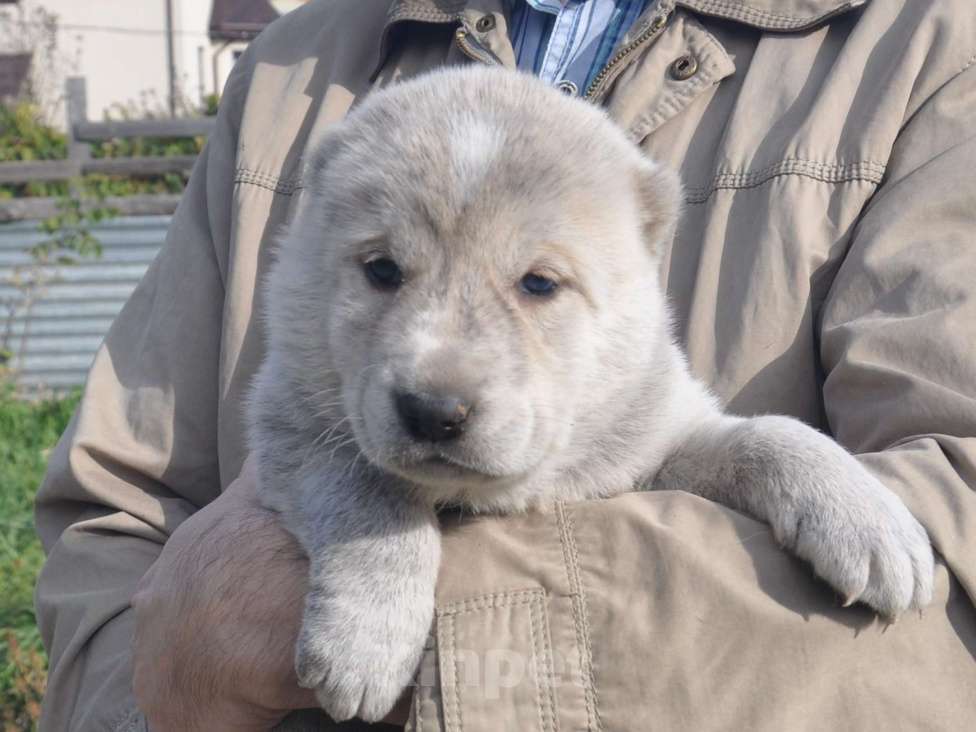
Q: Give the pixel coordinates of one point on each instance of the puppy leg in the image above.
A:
(822, 504)
(374, 558)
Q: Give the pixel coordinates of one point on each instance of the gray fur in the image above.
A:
(469, 178)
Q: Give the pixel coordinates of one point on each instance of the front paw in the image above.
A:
(862, 540)
(358, 664)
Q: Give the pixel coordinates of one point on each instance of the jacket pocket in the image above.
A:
(493, 667)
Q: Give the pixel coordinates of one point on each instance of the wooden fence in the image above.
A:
(82, 132)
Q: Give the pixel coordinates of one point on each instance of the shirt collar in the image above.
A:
(546, 6)
(769, 15)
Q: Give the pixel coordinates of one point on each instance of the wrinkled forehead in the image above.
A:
(459, 174)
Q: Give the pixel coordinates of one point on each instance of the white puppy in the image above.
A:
(466, 310)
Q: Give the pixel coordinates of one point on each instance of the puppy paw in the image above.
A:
(862, 540)
(345, 685)
(357, 665)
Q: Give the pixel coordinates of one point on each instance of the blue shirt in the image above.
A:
(568, 42)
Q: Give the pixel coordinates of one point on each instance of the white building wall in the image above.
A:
(119, 46)
(194, 53)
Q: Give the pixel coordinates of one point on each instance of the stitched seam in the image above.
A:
(446, 650)
(489, 602)
(577, 626)
(421, 14)
(868, 170)
(545, 674)
(798, 163)
(272, 183)
(765, 17)
(536, 660)
(585, 617)
(465, 611)
(454, 711)
(534, 599)
(751, 12)
(457, 682)
(550, 669)
(580, 619)
(278, 185)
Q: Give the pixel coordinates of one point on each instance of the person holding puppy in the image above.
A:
(820, 270)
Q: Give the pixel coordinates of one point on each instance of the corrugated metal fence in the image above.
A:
(53, 344)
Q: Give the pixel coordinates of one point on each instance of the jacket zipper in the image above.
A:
(477, 52)
(472, 49)
(605, 75)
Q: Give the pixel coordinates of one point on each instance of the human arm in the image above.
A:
(141, 456)
(899, 325)
(216, 618)
(138, 459)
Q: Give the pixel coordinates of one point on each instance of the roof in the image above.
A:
(14, 68)
(233, 20)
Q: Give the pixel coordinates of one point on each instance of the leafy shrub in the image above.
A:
(25, 677)
(24, 137)
(28, 430)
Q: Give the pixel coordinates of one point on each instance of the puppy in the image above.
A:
(467, 311)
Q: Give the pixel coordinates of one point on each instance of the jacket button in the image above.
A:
(567, 87)
(683, 67)
(485, 23)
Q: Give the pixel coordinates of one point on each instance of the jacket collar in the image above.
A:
(773, 15)
(434, 11)
(768, 15)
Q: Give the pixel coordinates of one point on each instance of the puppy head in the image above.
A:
(470, 284)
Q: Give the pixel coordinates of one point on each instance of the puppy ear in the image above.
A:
(321, 152)
(661, 197)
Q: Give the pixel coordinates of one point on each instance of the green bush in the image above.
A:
(24, 137)
(28, 430)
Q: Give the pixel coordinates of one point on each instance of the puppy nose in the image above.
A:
(432, 417)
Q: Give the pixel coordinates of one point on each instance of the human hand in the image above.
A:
(217, 617)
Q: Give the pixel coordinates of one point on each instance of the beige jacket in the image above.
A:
(825, 268)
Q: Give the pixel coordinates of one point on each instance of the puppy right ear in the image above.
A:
(320, 153)
(661, 198)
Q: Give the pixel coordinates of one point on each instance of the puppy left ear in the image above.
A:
(661, 198)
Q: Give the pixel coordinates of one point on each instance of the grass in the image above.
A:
(27, 432)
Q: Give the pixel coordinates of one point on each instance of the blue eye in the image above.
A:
(537, 285)
(384, 273)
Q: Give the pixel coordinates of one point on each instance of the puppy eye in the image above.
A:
(384, 273)
(537, 285)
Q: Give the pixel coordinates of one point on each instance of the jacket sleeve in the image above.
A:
(140, 454)
(898, 329)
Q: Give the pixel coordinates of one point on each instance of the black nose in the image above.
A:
(432, 417)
